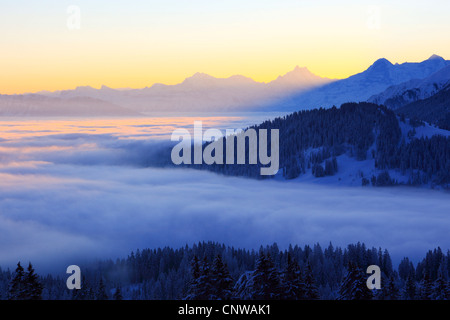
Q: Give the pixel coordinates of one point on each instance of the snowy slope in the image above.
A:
(417, 89)
(350, 171)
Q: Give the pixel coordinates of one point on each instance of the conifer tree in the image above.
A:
(193, 290)
(386, 267)
(77, 294)
(205, 282)
(17, 288)
(293, 281)
(426, 287)
(118, 294)
(390, 290)
(100, 294)
(200, 287)
(195, 268)
(83, 293)
(33, 287)
(354, 286)
(89, 293)
(441, 290)
(25, 285)
(311, 290)
(266, 279)
(221, 280)
(410, 289)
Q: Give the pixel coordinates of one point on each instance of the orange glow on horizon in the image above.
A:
(125, 46)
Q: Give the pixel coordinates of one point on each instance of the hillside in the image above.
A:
(400, 95)
(356, 144)
(434, 110)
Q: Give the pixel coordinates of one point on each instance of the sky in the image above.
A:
(136, 43)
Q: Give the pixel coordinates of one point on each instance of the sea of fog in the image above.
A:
(75, 190)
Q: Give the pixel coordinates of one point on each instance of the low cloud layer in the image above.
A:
(63, 202)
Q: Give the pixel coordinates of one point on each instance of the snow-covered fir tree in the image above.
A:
(293, 285)
(266, 279)
(354, 286)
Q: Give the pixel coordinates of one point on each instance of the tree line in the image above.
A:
(209, 270)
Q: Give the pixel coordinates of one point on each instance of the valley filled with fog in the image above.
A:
(75, 190)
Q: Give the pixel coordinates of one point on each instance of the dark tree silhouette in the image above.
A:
(118, 294)
(294, 287)
(311, 290)
(32, 285)
(221, 280)
(17, 287)
(101, 294)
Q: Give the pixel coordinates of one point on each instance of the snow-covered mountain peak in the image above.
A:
(380, 63)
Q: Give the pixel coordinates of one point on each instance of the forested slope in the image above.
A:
(313, 141)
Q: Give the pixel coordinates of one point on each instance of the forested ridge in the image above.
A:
(311, 141)
(209, 270)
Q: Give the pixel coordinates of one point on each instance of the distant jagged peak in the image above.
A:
(199, 79)
(80, 90)
(84, 88)
(205, 80)
(240, 77)
(200, 75)
(106, 88)
(435, 57)
(301, 71)
(299, 76)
